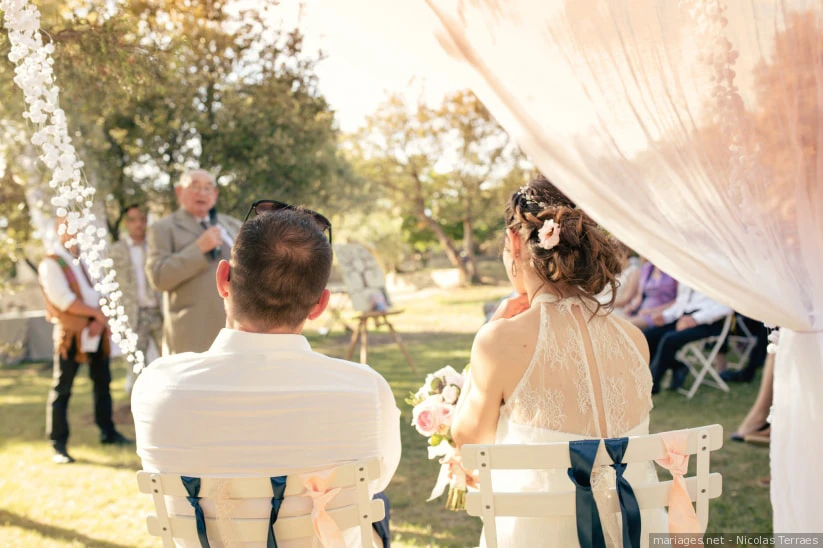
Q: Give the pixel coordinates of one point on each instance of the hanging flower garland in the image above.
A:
(73, 196)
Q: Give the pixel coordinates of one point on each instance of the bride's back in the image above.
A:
(563, 368)
(587, 373)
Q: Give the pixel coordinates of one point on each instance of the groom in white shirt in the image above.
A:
(692, 317)
(260, 402)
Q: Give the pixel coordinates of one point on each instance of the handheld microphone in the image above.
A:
(215, 253)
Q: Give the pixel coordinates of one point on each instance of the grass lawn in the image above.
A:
(95, 502)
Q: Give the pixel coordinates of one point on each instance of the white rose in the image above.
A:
(445, 371)
(455, 379)
(450, 394)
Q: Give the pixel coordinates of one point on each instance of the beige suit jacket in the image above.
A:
(119, 253)
(193, 311)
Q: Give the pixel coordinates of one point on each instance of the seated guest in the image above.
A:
(657, 291)
(628, 285)
(758, 355)
(260, 402)
(692, 317)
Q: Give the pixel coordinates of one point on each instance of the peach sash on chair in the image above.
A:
(317, 488)
(682, 517)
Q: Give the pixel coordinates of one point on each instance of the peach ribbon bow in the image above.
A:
(682, 517)
(317, 488)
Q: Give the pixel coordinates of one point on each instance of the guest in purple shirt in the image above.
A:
(657, 292)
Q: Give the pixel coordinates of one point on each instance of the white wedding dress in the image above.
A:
(586, 380)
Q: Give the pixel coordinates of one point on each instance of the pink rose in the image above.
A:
(450, 394)
(446, 414)
(426, 418)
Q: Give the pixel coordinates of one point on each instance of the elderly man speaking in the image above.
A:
(184, 250)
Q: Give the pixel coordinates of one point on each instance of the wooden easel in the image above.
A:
(362, 334)
(364, 280)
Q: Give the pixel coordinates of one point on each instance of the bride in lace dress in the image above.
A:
(553, 365)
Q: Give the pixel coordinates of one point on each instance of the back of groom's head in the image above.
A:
(280, 265)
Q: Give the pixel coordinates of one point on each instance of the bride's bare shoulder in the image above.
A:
(500, 339)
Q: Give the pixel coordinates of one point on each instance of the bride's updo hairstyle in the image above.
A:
(584, 260)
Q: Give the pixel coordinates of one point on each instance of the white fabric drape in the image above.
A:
(691, 130)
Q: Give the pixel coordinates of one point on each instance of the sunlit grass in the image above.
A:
(95, 502)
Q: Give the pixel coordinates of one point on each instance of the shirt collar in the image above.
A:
(131, 243)
(231, 340)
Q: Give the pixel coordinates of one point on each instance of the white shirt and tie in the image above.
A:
(263, 405)
(695, 304)
(137, 254)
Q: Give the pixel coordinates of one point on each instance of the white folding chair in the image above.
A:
(362, 513)
(741, 345)
(699, 357)
(487, 503)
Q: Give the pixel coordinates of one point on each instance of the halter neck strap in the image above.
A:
(550, 298)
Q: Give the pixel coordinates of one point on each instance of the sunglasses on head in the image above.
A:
(261, 207)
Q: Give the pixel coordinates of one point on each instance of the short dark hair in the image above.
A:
(280, 265)
(138, 207)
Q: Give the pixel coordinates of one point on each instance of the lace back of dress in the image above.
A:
(585, 371)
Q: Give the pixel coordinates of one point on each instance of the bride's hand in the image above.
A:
(456, 466)
(511, 307)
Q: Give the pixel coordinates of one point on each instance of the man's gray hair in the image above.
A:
(192, 174)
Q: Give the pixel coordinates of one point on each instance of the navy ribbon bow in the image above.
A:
(629, 509)
(589, 529)
(278, 489)
(192, 486)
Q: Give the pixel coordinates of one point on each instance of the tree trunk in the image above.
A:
(472, 277)
(443, 238)
(448, 246)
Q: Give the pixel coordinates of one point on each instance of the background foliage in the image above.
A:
(153, 87)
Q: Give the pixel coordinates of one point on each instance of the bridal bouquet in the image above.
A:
(432, 411)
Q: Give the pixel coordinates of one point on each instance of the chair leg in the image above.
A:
(402, 345)
(698, 379)
(718, 380)
(355, 335)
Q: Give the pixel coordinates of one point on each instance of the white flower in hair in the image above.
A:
(548, 235)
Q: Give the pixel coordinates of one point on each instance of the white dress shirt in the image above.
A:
(695, 304)
(56, 286)
(137, 254)
(263, 405)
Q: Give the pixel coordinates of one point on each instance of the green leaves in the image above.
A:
(443, 169)
(155, 88)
